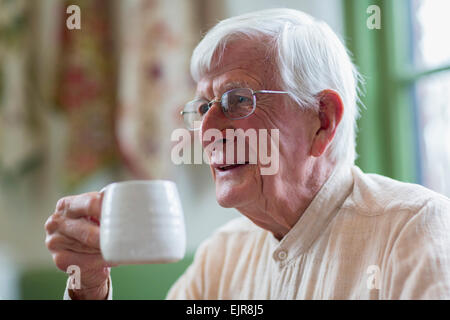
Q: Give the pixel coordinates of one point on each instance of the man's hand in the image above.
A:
(73, 238)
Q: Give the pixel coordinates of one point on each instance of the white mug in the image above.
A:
(142, 222)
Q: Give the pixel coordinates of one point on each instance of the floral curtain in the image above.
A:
(154, 49)
(119, 83)
(87, 89)
(20, 138)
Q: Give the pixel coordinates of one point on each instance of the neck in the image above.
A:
(279, 210)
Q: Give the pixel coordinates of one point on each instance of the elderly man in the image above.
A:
(318, 228)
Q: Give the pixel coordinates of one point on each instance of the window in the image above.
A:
(431, 56)
(404, 131)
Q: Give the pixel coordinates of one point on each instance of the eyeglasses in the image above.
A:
(236, 104)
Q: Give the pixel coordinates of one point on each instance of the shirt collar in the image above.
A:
(317, 216)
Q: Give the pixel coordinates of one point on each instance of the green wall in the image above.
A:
(129, 282)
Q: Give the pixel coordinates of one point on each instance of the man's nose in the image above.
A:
(213, 119)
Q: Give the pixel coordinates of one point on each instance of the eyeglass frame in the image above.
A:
(212, 102)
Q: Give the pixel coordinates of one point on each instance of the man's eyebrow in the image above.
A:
(235, 84)
(226, 87)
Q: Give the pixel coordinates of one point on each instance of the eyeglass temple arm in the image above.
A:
(269, 91)
(184, 112)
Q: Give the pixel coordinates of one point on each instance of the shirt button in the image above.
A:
(282, 254)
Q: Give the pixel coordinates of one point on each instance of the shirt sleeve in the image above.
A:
(67, 292)
(419, 264)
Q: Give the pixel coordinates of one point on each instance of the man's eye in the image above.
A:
(203, 109)
(241, 100)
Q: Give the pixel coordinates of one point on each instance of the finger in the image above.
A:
(81, 230)
(59, 242)
(93, 220)
(87, 204)
(51, 225)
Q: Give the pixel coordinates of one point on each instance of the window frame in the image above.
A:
(388, 140)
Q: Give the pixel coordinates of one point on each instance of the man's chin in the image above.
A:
(224, 203)
(232, 197)
(235, 189)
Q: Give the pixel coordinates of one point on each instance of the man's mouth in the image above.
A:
(227, 167)
(219, 158)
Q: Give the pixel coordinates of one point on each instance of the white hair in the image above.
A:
(309, 56)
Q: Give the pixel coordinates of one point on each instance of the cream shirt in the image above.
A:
(364, 236)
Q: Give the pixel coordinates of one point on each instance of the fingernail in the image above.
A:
(60, 204)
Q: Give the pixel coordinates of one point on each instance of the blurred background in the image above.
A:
(82, 108)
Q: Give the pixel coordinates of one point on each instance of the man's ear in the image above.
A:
(330, 114)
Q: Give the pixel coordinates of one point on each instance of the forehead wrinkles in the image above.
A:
(250, 57)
